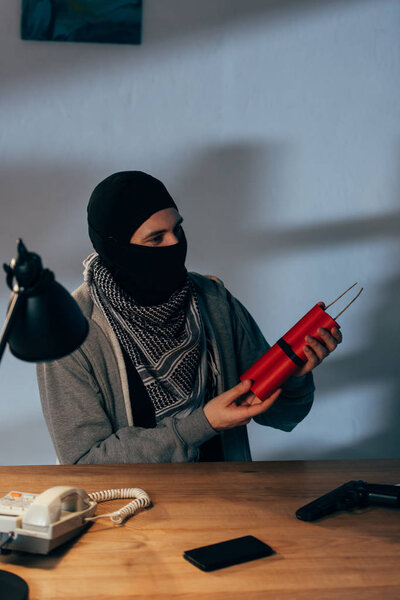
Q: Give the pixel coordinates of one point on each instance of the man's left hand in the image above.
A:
(316, 350)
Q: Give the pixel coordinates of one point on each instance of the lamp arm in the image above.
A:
(15, 302)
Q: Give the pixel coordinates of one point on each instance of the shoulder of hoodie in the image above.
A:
(84, 299)
(210, 286)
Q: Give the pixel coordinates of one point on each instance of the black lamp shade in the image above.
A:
(47, 326)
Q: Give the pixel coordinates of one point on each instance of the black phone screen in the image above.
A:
(231, 552)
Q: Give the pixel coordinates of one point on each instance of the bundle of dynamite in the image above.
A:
(287, 355)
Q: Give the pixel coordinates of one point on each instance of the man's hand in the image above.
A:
(236, 407)
(316, 351)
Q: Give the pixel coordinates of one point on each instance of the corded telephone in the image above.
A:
(41, 522)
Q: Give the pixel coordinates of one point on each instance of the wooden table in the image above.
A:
(349, 555)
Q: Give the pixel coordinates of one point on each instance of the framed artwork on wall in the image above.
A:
(99, 21)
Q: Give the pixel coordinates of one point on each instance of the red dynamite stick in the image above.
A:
(287, 355)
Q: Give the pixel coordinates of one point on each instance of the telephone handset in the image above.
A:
(41, 522)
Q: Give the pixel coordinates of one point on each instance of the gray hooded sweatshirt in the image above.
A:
(86, 400)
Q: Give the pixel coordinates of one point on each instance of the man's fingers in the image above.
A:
(249, 400)
(316, 350)
(337, 334)
(329, 339)
(312, 359)
(234, 393)
(226, 410)
(257, 409)
(319, 349)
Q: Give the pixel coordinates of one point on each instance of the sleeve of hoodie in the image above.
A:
(296, 399)
(75, 411)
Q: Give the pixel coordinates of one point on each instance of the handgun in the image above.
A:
(353, 494)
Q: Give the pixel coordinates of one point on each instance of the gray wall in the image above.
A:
(275, 125)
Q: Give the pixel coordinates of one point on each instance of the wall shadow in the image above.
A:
(332, 233)
(243, 173)
(239, 169)
(377, 362)
(45, 206)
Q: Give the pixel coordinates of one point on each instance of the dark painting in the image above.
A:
(105, 21)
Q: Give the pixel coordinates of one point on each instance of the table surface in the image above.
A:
(349, 555)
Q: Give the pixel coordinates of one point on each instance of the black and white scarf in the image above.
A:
(166, 342)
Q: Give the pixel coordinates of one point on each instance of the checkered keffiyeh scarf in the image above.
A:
(166, 342)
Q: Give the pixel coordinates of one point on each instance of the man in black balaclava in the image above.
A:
(118, 206)
(157, 378)
(136, 229)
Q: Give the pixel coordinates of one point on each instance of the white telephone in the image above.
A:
(41, 522)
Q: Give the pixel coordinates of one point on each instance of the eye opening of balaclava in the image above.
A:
(117, 207)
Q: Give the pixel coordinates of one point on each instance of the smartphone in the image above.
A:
(225, 554)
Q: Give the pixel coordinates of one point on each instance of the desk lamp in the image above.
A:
(43, 323)
(43, 320)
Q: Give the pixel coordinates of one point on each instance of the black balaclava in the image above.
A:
(117, 207)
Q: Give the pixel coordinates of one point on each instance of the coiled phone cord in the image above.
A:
(141, 500)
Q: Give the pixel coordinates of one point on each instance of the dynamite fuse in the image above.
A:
(270, 371)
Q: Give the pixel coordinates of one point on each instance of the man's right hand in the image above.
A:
(236, 407)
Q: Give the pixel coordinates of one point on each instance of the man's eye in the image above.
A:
(157, 239)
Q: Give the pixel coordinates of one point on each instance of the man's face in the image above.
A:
(161, 229)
